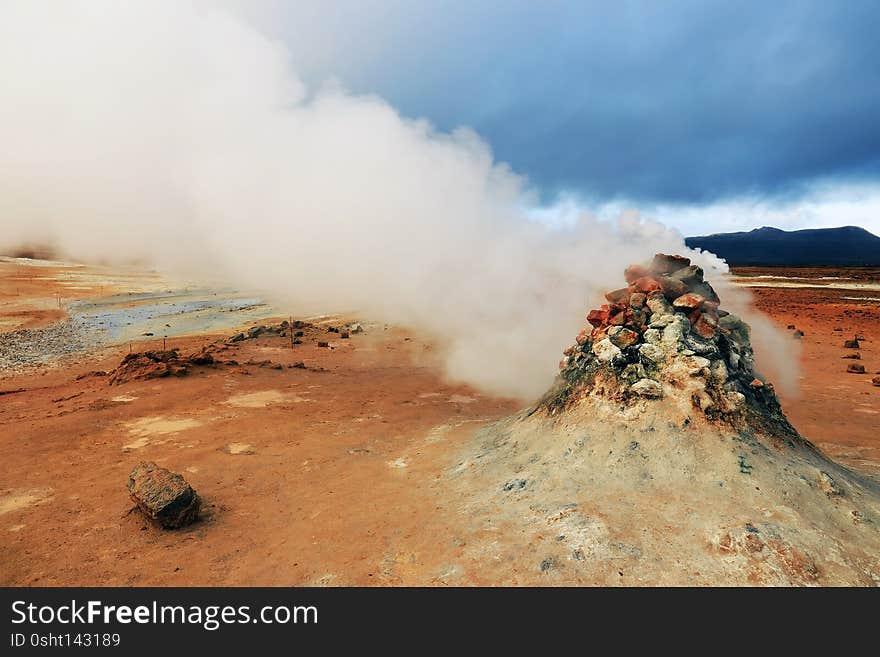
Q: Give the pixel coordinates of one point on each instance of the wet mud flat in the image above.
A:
(128, 318)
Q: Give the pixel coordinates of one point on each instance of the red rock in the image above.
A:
(637, 300)
(666, 264)
(876, 381)
(855, 368)
(598, 317)
(646, 285)
(163, 496)
(583, 337)
(618, 319)
(688, 301)
(704, 328)
(618, 296)
(757, 383)
(634, 272)
(623, 338)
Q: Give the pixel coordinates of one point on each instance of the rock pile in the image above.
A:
(163, 496)
(142, 365)
(665, 334)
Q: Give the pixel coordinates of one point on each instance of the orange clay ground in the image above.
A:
(321, 476)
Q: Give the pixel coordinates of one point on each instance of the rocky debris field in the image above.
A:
(29, 348)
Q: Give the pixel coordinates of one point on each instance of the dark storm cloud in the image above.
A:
(664, 101)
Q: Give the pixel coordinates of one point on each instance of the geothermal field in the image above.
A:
(157, 431)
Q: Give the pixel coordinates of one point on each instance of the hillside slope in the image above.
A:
(848, 246)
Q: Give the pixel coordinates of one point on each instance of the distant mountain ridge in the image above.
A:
(848, 246)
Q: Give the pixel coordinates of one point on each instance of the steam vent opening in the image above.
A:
(660, 456)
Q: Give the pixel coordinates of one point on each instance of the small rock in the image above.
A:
(605, 350)
(163, 496)
(598, 317)
(689, 275)
(672, 287)
(622, 337)
(855, 368)
(852, 357)
(688, 301)
(659, 306)
(797, 335)
(668, 264)
(652, 352)
(828, 485)
(646, 285)
(637, 300)
(876, 381)
(633, 273)
(321, 343)
(851, 344)
(647, 388)
(618, 296)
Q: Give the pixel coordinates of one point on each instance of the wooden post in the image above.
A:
(290, 328)
(163, 342)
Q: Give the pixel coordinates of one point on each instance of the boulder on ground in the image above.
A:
(851, 344)
(855, 368)
(163, 496)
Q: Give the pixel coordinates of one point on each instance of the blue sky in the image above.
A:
(722, 114)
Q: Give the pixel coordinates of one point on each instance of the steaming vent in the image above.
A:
(665, 337)
(660, 456)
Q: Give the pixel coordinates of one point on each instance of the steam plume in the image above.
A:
(179, 133)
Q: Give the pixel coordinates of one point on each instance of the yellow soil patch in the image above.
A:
(259, 399)
(21, 499)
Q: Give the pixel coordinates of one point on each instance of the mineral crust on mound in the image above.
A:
(659, 457)
(665, 335)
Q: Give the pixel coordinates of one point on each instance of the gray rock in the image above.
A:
(652, 353)
(653, 336)
(658, 305)
(647, 388)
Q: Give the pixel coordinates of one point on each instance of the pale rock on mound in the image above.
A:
(658, 457)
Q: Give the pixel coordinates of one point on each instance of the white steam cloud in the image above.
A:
(178, 133)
